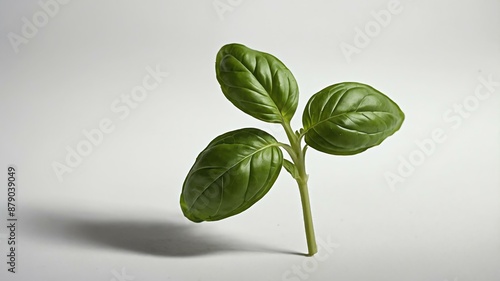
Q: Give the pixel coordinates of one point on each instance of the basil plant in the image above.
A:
(238, 168)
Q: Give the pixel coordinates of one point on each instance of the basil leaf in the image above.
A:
(257, 83)
(231, 174)
(348, 118)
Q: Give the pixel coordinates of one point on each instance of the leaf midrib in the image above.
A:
(260, 83)
(338, 115)
(235, 164)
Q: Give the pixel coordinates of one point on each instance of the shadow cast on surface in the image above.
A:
(153, 237)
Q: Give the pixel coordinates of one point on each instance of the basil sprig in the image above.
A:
(238, 168)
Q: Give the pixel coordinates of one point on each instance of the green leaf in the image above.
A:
(290, 167)
(231, 174)
(348, 118)
(257, 83)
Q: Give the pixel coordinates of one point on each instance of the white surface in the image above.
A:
(118, 210)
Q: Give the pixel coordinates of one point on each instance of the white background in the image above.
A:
(116, 215)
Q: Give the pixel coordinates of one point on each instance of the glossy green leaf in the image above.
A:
(257, 83)
(231, 174)
(348, 118)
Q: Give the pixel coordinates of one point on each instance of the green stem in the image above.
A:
(308, 223)
(298, 157)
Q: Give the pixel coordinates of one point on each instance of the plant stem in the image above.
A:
(298, 157)
(308, 223)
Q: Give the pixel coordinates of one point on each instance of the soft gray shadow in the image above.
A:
(159, 237)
